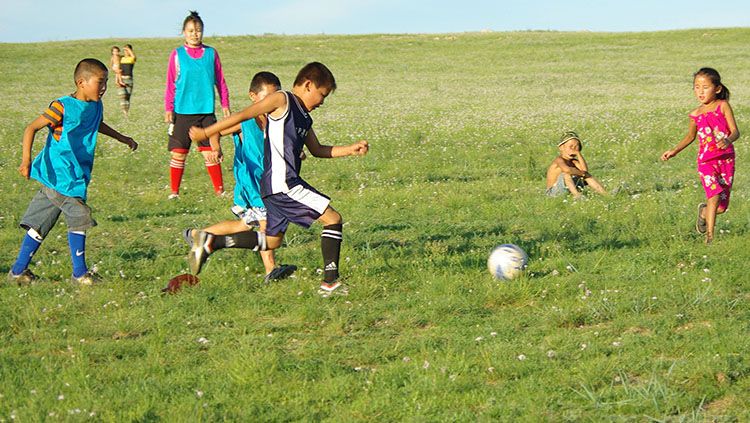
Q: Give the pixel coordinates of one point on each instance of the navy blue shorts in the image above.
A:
(302, 205)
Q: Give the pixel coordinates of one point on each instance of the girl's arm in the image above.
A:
(267, 105)
(170, 89)
(110, 132)
(734, 133)
(221, 85)
(689, 138)
(359, 148)
(28, 142)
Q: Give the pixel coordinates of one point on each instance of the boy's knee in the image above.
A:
(273, 242)
(178, 156)
(333, 217)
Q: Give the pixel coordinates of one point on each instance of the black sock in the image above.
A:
(250, 240)
(330, 245)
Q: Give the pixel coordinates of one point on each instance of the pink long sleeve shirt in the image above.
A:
(173, 71)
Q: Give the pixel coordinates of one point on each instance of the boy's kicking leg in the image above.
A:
(222, 236)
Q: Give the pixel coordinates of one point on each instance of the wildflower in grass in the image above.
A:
(551, 354)
(521, 357)
(202, 340)
(199, 393)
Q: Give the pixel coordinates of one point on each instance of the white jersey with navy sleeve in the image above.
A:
(285, 139)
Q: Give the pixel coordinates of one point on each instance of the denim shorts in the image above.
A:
(45, 209)
(560, 189)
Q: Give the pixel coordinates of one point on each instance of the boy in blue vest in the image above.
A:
(248, 169)
(63, 167)
(287, 197)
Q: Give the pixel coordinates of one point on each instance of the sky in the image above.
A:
(47, 20)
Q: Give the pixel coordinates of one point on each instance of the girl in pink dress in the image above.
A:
(713, 123)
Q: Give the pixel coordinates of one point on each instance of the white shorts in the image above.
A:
(251, 216)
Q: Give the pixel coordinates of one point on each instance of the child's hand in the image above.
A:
(360, 148)
(130, 143)
(214, 156)
(167, 117)
(24, 169)
(668, 155)
(198, 134)
(226, 112)
(721, 140)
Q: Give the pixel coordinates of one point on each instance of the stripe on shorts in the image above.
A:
(309, 198)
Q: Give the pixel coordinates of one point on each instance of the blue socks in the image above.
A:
(77, 242)
(29, 245)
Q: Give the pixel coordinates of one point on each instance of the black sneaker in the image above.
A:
(280, 272)
(25, 278)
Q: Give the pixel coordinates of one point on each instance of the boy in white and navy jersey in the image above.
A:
(288, 198)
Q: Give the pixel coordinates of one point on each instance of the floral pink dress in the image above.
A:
(715, 165)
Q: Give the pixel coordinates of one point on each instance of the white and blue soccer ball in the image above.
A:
(507, 261)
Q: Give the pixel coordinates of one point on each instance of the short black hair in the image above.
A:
(318, 74)
(264, 78)
(88, 67)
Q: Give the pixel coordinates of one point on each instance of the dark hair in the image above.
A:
(129, 46)
(192, 17)
(114, 47)
(713, 75)
(88, 67)
(318, 74)
(264, 78)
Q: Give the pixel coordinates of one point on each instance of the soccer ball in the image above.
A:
(507, 261)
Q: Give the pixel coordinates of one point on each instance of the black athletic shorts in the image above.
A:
(179, 138)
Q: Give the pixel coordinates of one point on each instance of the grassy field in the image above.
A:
(623, 313)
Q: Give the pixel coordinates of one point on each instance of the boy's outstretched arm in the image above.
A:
(28, 142)
(110, 132)
(359, 148)
(267, 105)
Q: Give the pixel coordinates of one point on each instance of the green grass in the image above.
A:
(623, 314)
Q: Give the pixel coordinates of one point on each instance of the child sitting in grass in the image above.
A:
(569, 171)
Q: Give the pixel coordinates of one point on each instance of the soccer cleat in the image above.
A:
(173, 196)
(280, 272)
(187, 234)
(25, 278)
(198, 254)
(87, 279)
(333, 288)
(700, 222)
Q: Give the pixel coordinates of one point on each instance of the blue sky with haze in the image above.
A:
(30, 21)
